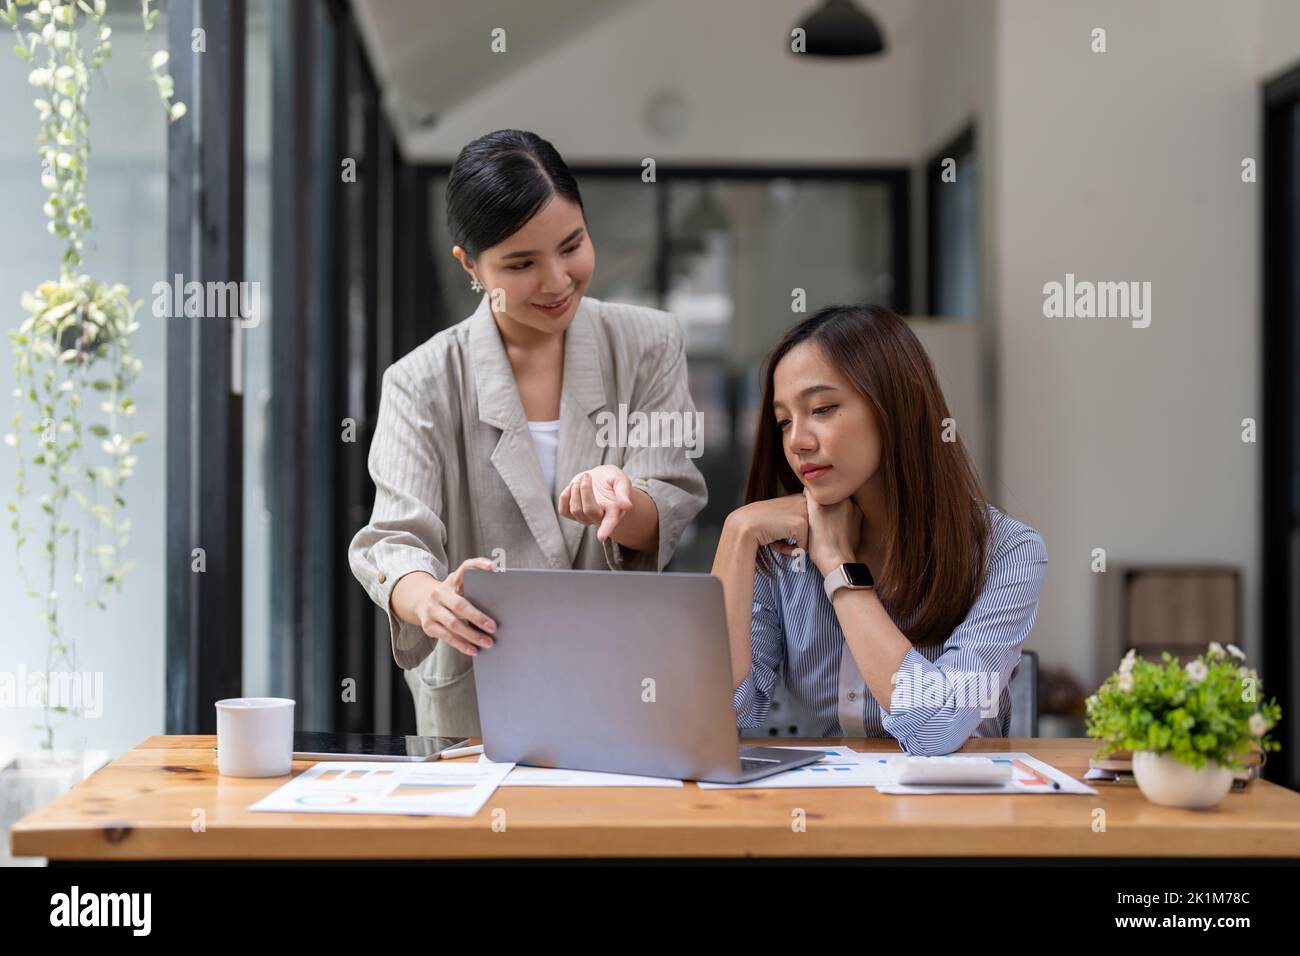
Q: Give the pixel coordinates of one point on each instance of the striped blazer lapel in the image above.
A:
(582, 394)
(514, 457)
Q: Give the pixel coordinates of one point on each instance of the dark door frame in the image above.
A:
(1278, 432)
(205, 243)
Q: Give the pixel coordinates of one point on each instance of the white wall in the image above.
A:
(1126, 166)
(1279, 37)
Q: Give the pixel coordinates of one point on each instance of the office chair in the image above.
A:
(1023, 688)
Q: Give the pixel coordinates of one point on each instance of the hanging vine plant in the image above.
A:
(73, 366)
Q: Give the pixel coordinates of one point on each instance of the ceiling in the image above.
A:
(426, 64)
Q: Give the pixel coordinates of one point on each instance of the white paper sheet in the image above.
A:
(557, 777)
(435, 788)
(844, 767)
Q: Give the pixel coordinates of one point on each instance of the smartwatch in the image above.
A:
(853, 575)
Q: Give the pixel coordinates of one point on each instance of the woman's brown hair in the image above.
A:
(933, 572)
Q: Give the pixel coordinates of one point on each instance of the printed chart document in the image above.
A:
(1020, 782)
(558, 777)
(839, 767)
(437, 788)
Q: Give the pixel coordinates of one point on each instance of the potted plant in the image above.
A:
(1188, 727)
(73, 368)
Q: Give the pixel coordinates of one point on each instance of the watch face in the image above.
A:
(858, 575)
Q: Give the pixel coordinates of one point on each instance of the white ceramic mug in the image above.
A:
(255, 736)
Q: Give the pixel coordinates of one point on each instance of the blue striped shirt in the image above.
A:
(944, 693)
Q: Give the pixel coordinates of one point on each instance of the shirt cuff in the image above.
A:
(620, 558)
(746, 704)
(907, 710)
(410, 644)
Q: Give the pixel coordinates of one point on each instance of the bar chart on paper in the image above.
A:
(441, 789)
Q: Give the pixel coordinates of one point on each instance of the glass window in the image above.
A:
(954, 232)
(127, 194)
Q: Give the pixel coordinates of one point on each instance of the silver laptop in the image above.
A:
(625, 672)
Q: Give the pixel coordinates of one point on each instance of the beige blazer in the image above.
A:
(456, 473)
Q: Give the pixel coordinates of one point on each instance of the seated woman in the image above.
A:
(867, 566)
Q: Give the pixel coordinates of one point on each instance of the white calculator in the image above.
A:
(943, 771)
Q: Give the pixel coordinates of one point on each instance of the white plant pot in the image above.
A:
(30, 780)
(1168, 781)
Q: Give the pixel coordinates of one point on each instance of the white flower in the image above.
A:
(1216, 649)
(1125, 682)
(1197, 670)
(1091, 702)
(1126, 665)
(1258, 725)
(1236, 652)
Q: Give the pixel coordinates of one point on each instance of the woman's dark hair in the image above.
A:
(498, 183)
(938, 523)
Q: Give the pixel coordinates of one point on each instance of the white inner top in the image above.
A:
(546, 439)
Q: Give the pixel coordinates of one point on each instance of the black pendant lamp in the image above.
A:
(841, 28)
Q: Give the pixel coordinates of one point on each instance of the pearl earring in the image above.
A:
(475, 285)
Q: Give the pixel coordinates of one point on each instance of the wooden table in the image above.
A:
(148, 805)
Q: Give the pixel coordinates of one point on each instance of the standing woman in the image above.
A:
(485, 447)
(866, 567)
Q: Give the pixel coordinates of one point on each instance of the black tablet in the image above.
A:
(319, 746)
